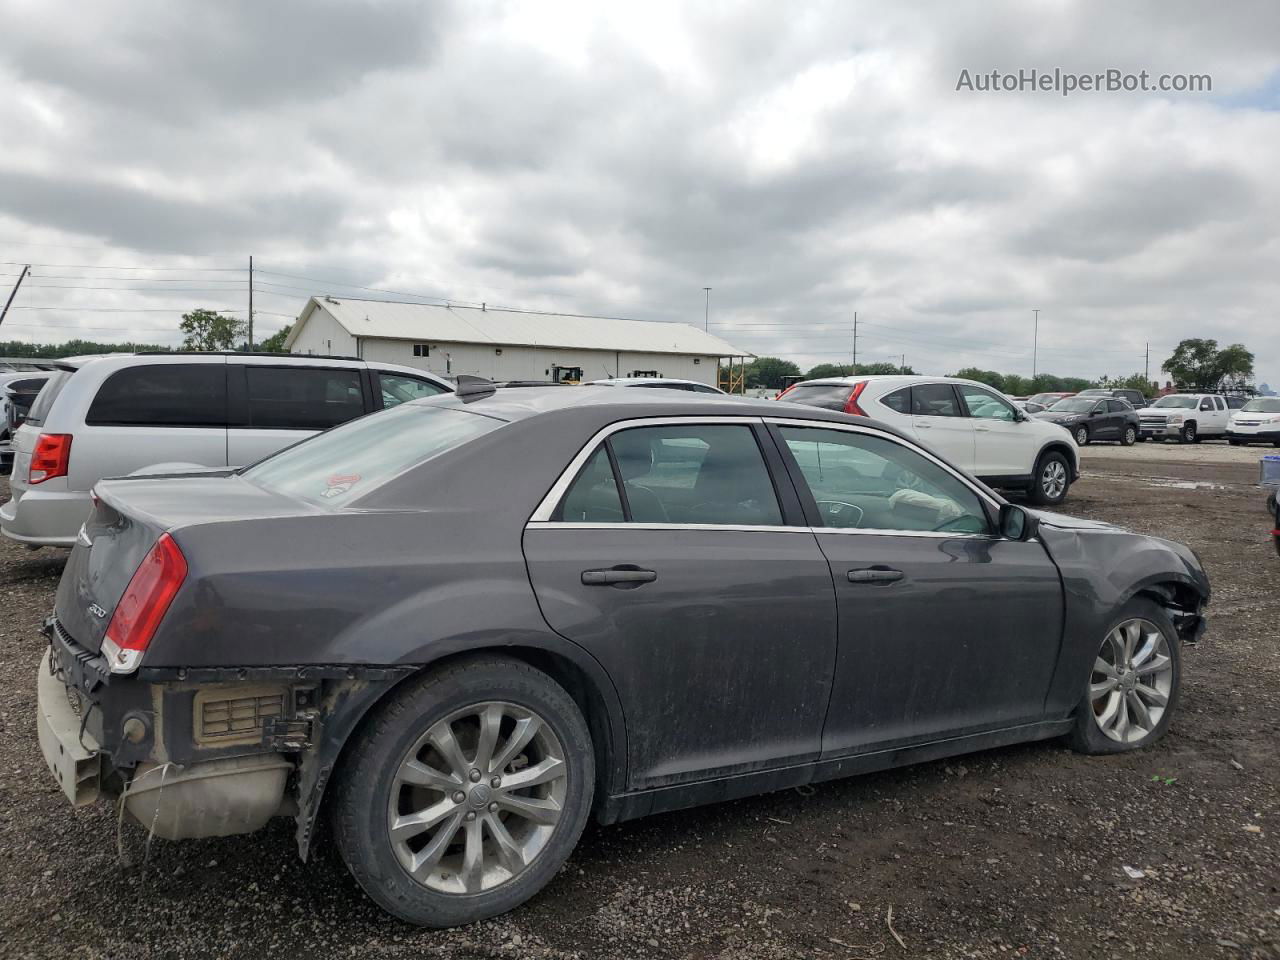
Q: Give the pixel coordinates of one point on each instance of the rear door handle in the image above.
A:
(618, 576)
(873, 575)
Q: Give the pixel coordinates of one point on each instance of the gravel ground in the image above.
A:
(1015, 852)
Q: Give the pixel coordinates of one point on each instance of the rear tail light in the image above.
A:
(50, 457)
(851, 405)
(145, 601)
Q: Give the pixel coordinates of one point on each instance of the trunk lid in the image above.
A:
(127, 520)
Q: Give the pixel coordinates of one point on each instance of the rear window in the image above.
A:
(347, 462)
(162, 395)
(44, 400)
(828, 396)
(301, 398)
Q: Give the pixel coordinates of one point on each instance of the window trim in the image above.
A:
(542, 516)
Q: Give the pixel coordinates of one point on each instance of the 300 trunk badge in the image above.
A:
(97, 611)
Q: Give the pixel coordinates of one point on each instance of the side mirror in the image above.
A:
(1016, 523)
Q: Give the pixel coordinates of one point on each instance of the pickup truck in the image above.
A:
(1186, 417)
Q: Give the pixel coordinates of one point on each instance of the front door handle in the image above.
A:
(618, 576)
(875, 575)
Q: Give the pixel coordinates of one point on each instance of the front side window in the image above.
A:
(864, 482)
(683, 474)
(986, 405)
(162, 395)
(934, 400)
(397, 389)
(1206, 404)
(301, 398)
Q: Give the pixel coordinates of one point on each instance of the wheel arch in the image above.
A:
(1065, 448)
(1182, 600)
(580, 676)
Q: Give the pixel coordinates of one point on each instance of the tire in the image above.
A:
(370, 792)
(1189, 434)
(1081, 433)
(1271, 503)
(1129, 437)
(1234, 443)
(1051, 480)
(1094, 713)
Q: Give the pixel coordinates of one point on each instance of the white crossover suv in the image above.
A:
(968, 423)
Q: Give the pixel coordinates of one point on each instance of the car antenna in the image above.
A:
(473, 388)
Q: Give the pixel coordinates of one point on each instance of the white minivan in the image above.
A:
(113, 415)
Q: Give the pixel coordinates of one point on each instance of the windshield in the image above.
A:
(1184, 403)
(1045, 398)
(341, 465)
(1074, 405)
(1262, 405)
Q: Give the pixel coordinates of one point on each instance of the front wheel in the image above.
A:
(1133, 684)
(1189, 434)
(1051, 480)
(1082, 436)
(465, 793)
(1129, 437)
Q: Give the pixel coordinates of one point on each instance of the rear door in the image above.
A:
(1001, 442)
(945, 628)
(275, 406)
(163, 410)
(670, 555)
(940, 422)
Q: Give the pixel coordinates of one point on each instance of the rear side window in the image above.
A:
(899, 401)
(301, 398)
(335, 468)
(44, 400)
(593, 498)
(1117, 406)
(934, 400)
(161, 395)
(828, 396)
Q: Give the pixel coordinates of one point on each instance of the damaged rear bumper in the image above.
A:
(71, 752)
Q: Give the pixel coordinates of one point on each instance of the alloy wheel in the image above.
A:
(476, 799)
(1053, 479)
(1082, 436)
(1189, 433)
(1132, 681)
(1130, 436)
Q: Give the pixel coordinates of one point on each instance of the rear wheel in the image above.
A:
(1189, 434)
(1051, 480)
(1234, 442)
(1129, 437)
(1133, 684)
(465, 793)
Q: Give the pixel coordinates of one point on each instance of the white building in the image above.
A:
(507, 344)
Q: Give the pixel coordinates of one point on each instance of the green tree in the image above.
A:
(989, 377)
(823, 370)
(1198, 364)
(275, 342)
(73, 348)
(209, 330)
(769, 371)
(883, 369)
(1134, 381)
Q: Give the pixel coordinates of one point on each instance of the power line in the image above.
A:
(106, 266)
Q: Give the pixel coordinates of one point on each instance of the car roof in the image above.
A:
(892, 379)
(628, 381)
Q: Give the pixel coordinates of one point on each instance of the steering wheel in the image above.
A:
(840, 510)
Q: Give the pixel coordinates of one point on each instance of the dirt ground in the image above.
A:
(1015, 852)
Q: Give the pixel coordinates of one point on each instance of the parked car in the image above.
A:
(112, 415)
(1091, 418)
(967, 422)
(1027, 406)
(1135, 398)
(1050, 398)
(1258, 421)
(17, 391)
(465, 661)
(1185, 417)
(663, 383)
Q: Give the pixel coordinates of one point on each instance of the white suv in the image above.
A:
(110, 416)
(967, 423)
(1185, 417)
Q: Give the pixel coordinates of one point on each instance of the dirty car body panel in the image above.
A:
(747, 662)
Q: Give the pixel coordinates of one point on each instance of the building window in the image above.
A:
(422, 349)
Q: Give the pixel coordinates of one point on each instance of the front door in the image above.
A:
(1000, 444)
(945, 628)
(671, 561)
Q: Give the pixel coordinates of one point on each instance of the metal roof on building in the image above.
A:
(393, 320)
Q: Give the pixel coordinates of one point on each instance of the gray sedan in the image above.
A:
(453, 631)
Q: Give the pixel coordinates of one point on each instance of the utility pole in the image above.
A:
(14, 292)
(706, 317)
(251, 303)
(904, 363)
(1146, 368)
(854, 371)
(1035, 340)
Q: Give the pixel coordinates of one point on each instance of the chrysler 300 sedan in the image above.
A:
(451, 632)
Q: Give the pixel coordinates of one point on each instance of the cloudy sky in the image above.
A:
(803, 160)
